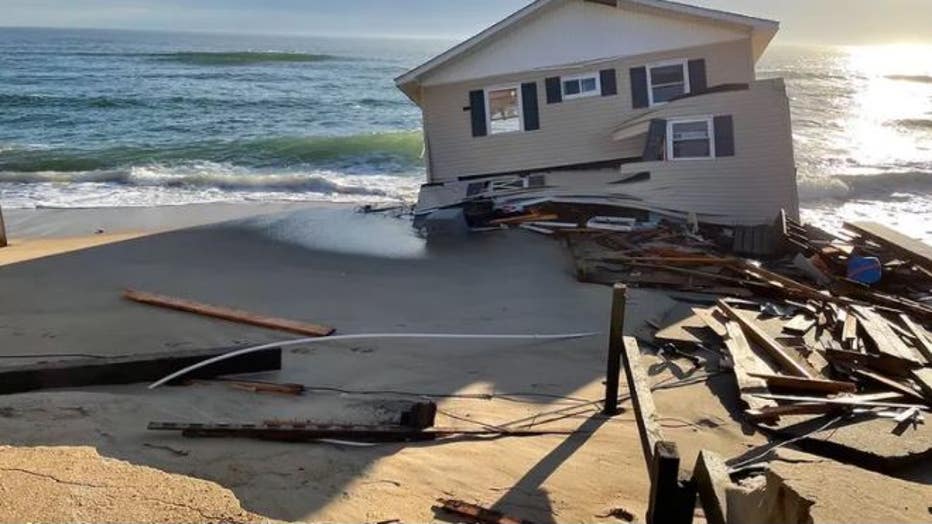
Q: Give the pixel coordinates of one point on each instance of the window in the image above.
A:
(690, 139)
(667, 81)
(504, 109)
(580, 86)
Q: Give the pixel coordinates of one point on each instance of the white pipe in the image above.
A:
(303, 341)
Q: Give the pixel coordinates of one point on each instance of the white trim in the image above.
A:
(709, 120)
(684, 63)
(488, 109)
(582, 94)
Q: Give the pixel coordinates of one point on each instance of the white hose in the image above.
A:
(303, 341)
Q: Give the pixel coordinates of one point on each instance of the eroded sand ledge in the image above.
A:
(360, 274)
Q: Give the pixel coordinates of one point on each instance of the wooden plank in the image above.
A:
(891, 385)
(760, 337)
(923, 378)
(746, 363)
(642, 399)
(841, 401)
(799, 325)
(712, 482)
(901, 245)
(224, 313)
(890, 366)
(849, 332)
(714, 319)
(478, 513)
(131, 370)
(806, 384)
(924, 345)
(885, 339)
(770, 414)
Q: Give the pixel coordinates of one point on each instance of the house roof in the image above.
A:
(762, 31)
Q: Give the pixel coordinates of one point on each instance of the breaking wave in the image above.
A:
(914, 123)
(239, 58)
(922, 79)
(876, 187)
(385, 151)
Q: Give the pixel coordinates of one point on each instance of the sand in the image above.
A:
(361, 274)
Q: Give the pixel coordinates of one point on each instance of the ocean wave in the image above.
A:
(399, 150)
(914, 123)
(875, 187)
(206, 175)
(922, 79)
(239, 58)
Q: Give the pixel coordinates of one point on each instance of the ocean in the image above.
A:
(92, 118)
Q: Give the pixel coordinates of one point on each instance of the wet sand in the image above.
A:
(360, 274)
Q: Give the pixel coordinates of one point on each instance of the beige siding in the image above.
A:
(572, 132)
(753, 185)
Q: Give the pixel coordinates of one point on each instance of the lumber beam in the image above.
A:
(131, 369)
(643, 400)
(806, 384)
(615, 349)
(759, 336)
(225, 313)
(712, 480)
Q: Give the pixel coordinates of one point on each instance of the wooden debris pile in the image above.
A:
(828, 327)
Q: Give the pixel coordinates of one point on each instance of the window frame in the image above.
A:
(708, 120)
(488, 108)
(682, 62)
(587, 94)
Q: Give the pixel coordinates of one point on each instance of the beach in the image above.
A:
(360, 274)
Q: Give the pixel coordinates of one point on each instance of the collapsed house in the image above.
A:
(647, 107)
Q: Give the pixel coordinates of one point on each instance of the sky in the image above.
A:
(803, 21)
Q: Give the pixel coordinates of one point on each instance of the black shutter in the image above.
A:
(724, 135)
(529, 106)
(656, 137)
(554, 90)
(609, 82)
(639, 87)
(698, 81)
(477, 108)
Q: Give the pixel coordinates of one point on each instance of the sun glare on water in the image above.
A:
(895, 89)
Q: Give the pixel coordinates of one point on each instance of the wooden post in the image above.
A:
(672, 501)
(3, 242)
(615, 348)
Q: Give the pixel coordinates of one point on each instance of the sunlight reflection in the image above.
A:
(894, 85)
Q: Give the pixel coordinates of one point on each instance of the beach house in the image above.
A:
(643, 105)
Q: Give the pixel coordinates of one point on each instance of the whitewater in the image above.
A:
(114, 118)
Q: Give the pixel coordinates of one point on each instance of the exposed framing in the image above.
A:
(682, 62)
